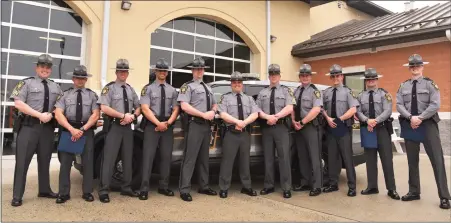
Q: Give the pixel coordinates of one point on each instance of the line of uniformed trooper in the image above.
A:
(279, 110)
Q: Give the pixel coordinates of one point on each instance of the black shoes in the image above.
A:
(330, 188)
(166, 192)
(16, 202)
(223, 194)
(104, 198)
(266, 191)
(249, 191)
(129, 193)
(369, 191)
(186, 197)
(48, 195)
(352, 192)
(302, 188)
(393, 194)
(315, 192)
(207, 191)
(286, 194)
(411, 197)
(143, 195)
(88, 197)
(444, 203)
(62, 199)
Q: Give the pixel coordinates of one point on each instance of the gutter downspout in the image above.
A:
(105, 35)
(448, 34)
(268, 35)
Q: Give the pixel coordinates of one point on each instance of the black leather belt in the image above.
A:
(30, 120)
(232, 129)
(199, 120)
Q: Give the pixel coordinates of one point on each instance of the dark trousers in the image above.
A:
(308, 144)
(164, 142)
(197, 149)
(232, 143)
(67, 159)
(118, 138)
(384, 149)
(277, 136)
(433, 147)
(37, 138)
(341, 147)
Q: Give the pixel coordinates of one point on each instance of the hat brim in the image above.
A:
(71, 74)
(198, 67)
(329, 74)
(154, 68)
(372, 78)
(121, 69)
(408, 65)
(306, 73)
(43, 63)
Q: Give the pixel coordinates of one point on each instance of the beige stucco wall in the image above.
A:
(129, 32)
(328, 15)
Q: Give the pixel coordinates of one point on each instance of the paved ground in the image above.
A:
(327, 207)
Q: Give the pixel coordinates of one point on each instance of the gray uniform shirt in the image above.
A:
(193, 92)
(382, 105)
(229, 105)
(345, 99)
(311, 97)
(112, 96)
(151, 95)
(283, 96)
(68, 103)
(428, 97)
(31, 92)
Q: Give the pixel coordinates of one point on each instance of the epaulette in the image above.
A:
(328, 87)
(27, 78)
(383, 90)
(184, 86)
(68, 89)
(222, 97)
(112, 82)
(432, 82)
(227, 93)
(314, 87)
(50, 80)
(93, 92)
(428, 79)
(106, 88)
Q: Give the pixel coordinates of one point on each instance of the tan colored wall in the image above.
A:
(328, 15)
(290, 23)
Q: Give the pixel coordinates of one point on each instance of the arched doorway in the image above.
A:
(182, 39)
(28, 29)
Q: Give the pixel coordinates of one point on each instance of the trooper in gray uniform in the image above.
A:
(374, 114)
(77, 112)
(117, 101)
(276, 103)
(35, 98)
(238, 111)
(418, 101)
(340, 103)
(308, 132)
(160, 110)
(197, 101)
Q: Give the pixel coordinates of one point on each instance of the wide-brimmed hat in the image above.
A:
(161, 64)
(335, 70)
(236, 76)
(274, 69)
(122, 64)
(199, 62)
(415, 60)
(80, 71)
(44, 59)
(371, 74)
(305, 69)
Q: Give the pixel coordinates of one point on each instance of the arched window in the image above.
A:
(31, 28)
(180, 40)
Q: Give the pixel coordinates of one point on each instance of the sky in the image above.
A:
(398, 6)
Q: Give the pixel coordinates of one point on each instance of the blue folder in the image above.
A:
(368, 140)
(340, 130)
(67, 145)
(416, 135)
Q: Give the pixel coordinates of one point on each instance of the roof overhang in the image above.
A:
(363, 6)
(373, 42)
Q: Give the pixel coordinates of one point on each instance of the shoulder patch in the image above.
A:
(144, 90)
(317, 94)
(105, 90)
(222, 97)
(18, 87)
(388, 97)
(183, 88)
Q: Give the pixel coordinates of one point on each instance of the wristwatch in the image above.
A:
(302, 123)
(82, 129)
(136, 117)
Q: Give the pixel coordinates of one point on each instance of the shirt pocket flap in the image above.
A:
(200, 90)
(422, 91)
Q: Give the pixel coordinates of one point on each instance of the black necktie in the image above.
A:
(297, 115)
(46, 96)
(372, 111)
(124, 92)
(240, 107)
(163, 102)
(79, 110)
(414, 104)
(334, 104)
(208, 96)
(272, 107)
